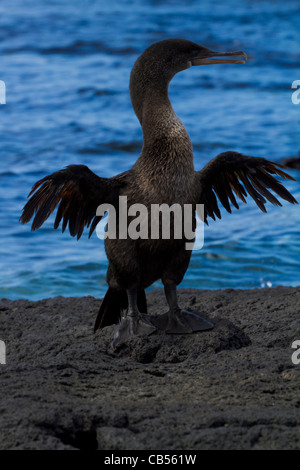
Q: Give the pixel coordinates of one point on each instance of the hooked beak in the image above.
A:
(208, 60)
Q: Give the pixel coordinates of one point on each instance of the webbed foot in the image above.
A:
(181, 322)
(132, 325)
(184, 322)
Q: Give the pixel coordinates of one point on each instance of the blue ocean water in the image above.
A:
(66, 67)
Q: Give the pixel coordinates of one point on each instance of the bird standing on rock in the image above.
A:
(163, 173)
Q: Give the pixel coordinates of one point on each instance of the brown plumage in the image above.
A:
(76, 191)
(232, 174)
(163, 173)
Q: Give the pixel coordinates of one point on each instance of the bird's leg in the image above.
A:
(135, 322)
(182, 321)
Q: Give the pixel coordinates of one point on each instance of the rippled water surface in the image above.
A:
(66, 66)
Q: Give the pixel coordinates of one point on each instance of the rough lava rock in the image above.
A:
(233, 387)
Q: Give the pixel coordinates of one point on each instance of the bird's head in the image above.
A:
(174, 55)
(158, 64)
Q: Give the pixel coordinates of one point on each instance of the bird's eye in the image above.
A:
(195, 53)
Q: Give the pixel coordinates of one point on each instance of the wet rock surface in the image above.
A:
(233, 387)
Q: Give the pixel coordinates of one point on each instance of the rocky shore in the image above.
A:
(234, 387)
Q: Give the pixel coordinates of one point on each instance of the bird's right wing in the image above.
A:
(77, 192)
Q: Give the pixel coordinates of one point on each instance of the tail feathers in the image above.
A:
(111, 308)
(114, 302)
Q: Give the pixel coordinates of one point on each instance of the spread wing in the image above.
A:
(77, 192)
(232, 175)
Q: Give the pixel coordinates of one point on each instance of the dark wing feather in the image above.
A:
(232, 175)
(77, 192)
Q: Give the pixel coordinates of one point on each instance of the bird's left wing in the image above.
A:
(232, 174)
(77, 192)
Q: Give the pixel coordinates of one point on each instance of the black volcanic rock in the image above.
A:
(234, 387)
(292, 162)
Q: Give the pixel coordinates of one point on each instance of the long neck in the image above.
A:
(165, 137)
(158, 118)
